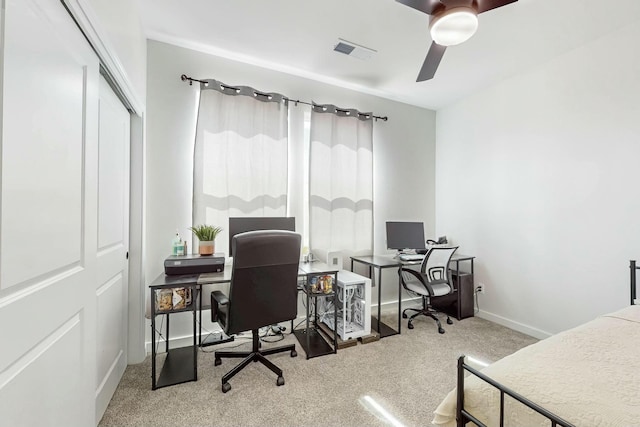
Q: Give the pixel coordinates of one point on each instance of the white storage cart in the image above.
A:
(353, 304)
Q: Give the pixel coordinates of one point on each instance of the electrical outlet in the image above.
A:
(480, 288)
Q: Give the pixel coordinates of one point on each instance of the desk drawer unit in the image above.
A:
(460, 303)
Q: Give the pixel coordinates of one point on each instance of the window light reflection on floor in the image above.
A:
(376, 409)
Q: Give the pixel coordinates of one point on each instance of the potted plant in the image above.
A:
(207, 236)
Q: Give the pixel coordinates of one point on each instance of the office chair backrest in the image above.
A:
(264, 288)
(436, 263)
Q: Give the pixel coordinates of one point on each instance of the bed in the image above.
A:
(586, 376)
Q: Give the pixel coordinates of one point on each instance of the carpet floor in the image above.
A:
(406, 375)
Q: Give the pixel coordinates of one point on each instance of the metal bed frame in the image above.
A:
(463, 416)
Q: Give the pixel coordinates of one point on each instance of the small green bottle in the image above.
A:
(174, 244)
(180, 248)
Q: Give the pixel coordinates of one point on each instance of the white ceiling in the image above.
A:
(298, 36)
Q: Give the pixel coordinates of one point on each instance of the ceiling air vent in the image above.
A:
(355, 50)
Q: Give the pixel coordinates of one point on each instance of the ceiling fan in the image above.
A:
(451, 22)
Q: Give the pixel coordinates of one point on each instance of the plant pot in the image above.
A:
(206, 248)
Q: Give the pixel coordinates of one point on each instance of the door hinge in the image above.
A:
(127, 255)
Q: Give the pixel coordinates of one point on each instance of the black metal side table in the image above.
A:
(310, 338)
(180, 364)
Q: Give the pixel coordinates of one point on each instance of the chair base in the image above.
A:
(428, 311)
(255, 355)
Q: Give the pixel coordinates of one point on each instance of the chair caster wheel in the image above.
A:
(280, 381)
(410, 325)
(217, 361)
(404, 316)
(441, 330)
(294, 353)
(449, 322)
(226, 387)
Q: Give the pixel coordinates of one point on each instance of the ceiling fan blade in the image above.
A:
(431, 62)
(485, 5)
(426, 6)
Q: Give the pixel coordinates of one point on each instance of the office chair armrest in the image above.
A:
(422, 278)
(217, 299)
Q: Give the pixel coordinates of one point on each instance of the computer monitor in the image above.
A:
(405, 235)
(244, 224)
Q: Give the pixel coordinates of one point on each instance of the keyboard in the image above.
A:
(411, 257)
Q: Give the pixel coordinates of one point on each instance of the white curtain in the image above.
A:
(240, 156)
(340, 182)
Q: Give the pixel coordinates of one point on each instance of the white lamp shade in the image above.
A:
(454, 26)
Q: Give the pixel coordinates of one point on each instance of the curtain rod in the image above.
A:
(185, 78)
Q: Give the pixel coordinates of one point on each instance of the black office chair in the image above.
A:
(263, 292)
(432, 281)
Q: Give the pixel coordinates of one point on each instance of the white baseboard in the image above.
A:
(187, 340)
(516, 326)
(511, 324)
(174, 342)
(387, 307)
(392, 306)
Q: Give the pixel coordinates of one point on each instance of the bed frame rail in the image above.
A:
(463, 416)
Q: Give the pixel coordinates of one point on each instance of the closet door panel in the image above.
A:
(48, 217)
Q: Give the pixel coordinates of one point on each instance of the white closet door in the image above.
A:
(48, 218)
(113, 242)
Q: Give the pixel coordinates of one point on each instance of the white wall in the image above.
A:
(537, 177)
(120, 21)
(404, 147)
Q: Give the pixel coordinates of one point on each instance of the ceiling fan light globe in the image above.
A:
(454, 26)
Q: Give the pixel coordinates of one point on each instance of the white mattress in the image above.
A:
(588, 375)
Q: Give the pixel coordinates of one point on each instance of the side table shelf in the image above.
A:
(180, 364)
(178, 367)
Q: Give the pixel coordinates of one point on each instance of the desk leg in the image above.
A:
(195, 347)
(166, 341)
(153, 341)
(335, 315)
(458, 292)
(307, 331)
(199, 294)
(385, 330)
(373, 275)
(399, 303)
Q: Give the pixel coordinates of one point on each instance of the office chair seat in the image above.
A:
(439, 289)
